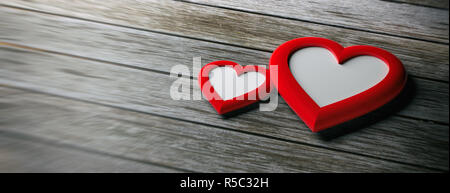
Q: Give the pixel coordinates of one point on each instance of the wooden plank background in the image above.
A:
(84, 87)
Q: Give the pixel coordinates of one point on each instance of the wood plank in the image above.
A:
(161, 52)
(115, 44)
(423, 59)
(25, 155)
(442, 4)
(367, 15)
(395, 138)
(10, 92)
(171, 142)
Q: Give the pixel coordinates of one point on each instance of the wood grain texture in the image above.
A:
(131, 47)
(162, 52)
(421, 58)
(113, 58)
(394, 138)
(364, 15)
(7, 92)
(23, 154)
(376, 16)
(442, 4)
(171, 142)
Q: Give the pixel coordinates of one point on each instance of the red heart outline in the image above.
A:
(319, 118)
(225, 106)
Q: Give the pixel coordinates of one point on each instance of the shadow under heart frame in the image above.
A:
(400, 102)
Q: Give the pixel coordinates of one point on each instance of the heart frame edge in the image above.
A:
(320, 118)
(225, 106)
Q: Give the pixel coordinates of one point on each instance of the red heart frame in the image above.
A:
(319, 118)
(225, 106)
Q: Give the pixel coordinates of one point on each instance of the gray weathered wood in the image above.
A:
(132, 47)
(377, 16)
(395, 138)
(405, 138)
(170, 142)
(162, 52)
(423, 59)
(26, 155)
(7, 92)
(443, 4)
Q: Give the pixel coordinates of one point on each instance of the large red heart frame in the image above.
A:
(225, 106)
(319, 118)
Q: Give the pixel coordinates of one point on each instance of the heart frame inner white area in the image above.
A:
(326, 81)
(228, 85)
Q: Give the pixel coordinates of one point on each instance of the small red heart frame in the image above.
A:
(319, 118)
(225, 106)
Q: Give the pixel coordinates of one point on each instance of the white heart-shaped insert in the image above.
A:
(326, 82)
(228, 85)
